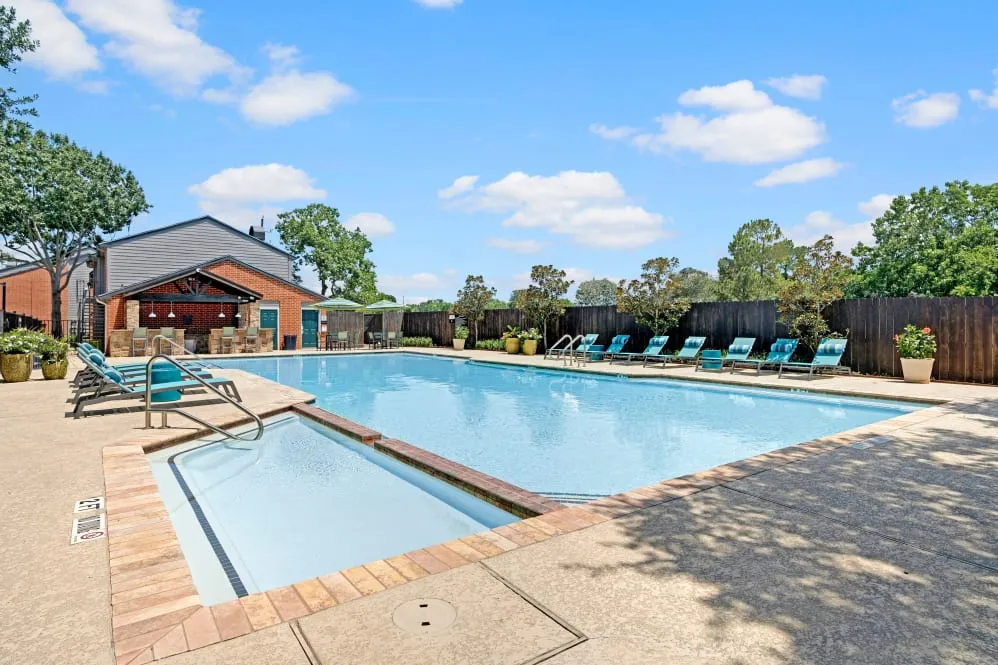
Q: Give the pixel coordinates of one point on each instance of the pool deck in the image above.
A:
(875, 547)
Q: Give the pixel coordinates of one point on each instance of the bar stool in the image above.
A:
(252, 339)
(228, 337)
(164, 344)
(140, 338)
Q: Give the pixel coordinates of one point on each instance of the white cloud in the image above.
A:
(517, 246)
(282, 55)
(847, 235)
(241, 195)
(284, 98)
(612, 133)
(988, 101)
(95, 87)
(920, 109)
(806, 171)
(439, 4)
(799, 85)
(63, 50)
(372, 224)
(876, 206)
(750, 129)
(157, 39)
(458, 187)
(417, 287)
(589, 207)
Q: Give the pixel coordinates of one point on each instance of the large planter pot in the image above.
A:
(15, 367)
(459, 344)
(512, 345)
(530, 347)
(55, 370)
(917, 370)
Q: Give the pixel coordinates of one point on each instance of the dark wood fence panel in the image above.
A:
(966, 330)
(349, 322)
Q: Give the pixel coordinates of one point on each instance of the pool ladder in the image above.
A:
(568, 353)
(149, 409)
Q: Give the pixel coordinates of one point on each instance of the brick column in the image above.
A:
(249, 314)
(131, 314)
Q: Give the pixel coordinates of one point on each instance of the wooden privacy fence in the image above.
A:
(966, 330)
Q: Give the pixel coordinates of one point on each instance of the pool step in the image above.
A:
(571, 497)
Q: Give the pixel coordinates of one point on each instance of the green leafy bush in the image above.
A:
(533, 334)
(20, 341)
(915, 342)
(491, 345)
(417, 341)
(52, 350)
(461, 332)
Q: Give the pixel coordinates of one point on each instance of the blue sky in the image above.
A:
(485, 136)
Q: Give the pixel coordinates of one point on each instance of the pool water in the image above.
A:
(302, 502)
(567, 435)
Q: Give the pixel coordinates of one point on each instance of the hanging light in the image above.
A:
(221, 314)
(152, 310)
(238, 313)
(171, 315)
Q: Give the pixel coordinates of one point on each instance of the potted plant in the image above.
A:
(512, 339)
(460, 335)
(17, 349)
(528, 341)
(53, 354)
(917, 348)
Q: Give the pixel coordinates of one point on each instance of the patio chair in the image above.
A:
(689, 352)
(252, 340)
(140, 339)
(654, 348)
(228, 338)
(392, 341)
(826, 359)
(165, 346)
(738, 351)
(343, 340)
(616, 346)
(567, 350)
(112, 387)
(781, 351)
(709, 359)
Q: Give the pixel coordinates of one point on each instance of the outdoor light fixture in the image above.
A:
(171, 315)
(221, 314)
(152, 310)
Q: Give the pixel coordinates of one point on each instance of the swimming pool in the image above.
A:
(301, 502)
(566, 435)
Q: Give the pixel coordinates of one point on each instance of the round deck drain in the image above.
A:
(424, 615)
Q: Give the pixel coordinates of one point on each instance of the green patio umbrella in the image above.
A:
(338, 304)
(384, 306)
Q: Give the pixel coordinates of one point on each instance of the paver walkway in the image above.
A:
(886, 553)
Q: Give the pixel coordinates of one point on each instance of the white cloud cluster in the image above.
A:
(589, 207)
(460, 185)
(748, 128)
(922, 110)
(286, 97)
(847, 235)
(372, 224)
(803, 86)
(612, 133)
(985, 99)
(439, 4)
(806, 171)
(63, 50)
(241, 195)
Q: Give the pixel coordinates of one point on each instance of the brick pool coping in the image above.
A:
(156, 611)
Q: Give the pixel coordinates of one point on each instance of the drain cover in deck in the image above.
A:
(424, 615)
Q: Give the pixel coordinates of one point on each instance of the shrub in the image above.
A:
(21, 340)
(461, 332)
(417, 341)
(533, 334)
(491, 345)
(52, 350)
(917, 343)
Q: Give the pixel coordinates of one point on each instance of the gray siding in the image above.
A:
(146, 257)
(76, 290)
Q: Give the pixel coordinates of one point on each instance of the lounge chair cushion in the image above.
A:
(786, 347)
(739, 348)
(114, 375)
(692, 343)
(832, 348)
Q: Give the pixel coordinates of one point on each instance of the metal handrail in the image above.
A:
(204, 363)
(203, 423)
(569, 358)
(554, 346)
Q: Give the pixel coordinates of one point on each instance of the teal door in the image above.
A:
(310, 329)
(268, 319)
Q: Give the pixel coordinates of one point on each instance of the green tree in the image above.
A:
(757, 262)
(514, 298)
(543, 299)
(15, 41)
(595, 292)
(935, 242)
(819, 278)
(496, 303)
(473, 300)
(696, 285)
(434, 305)
(654, 299)
(56, 199)
(314, 236)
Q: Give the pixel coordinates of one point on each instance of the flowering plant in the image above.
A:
(20, 340)
(914, 342)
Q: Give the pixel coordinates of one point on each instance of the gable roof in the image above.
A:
(28, 266)
(203, 268)
(196, 220)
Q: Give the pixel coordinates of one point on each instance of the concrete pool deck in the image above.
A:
(885, 553)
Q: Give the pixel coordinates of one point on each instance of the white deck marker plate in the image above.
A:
(93, 503)
(92, 527)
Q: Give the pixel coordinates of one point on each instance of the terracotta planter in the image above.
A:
(459, 344)
(529, 347)
(917, 370)
(15, 367)
(55, 370)
(512, 345)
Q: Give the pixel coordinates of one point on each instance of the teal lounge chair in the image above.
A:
(654, 348)
(827, 359)
(689, 352)
(616, 346)
(739, 351)
(112, 387)
(780, 352)
(709, 359)
(95, 367)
